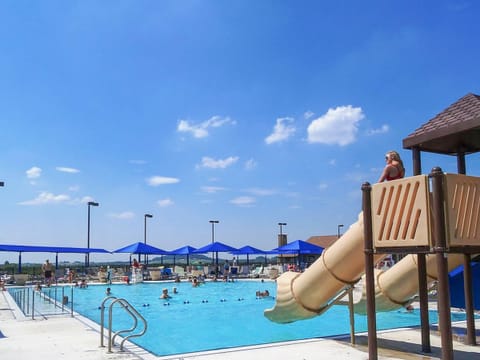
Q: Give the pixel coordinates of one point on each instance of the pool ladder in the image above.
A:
(131, 311)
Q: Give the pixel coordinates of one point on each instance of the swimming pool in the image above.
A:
(220, 315)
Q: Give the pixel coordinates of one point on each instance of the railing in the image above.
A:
(43, 302)
(131, 311)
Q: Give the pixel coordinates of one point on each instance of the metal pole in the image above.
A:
(440, 249)
(423, 300)
(213, 222)
(352, 315)
(145, 233)
(87, 255)
(422, 272)
(71, 302)
(338, 230)
(369, 272)
(469, 306)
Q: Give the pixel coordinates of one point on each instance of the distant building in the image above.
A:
(324, 240)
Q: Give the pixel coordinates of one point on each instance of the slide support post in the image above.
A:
(369, 271)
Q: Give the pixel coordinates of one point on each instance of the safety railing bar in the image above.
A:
(139, 334)
(102, 318)
(131, 311)
(134, 326)
(124, 304)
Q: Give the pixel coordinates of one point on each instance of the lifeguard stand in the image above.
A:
(436, 214)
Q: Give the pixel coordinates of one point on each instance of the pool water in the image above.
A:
(219, 315)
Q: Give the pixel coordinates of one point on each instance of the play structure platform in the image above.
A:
(433, 219)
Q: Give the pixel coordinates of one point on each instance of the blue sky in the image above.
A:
(246, 112)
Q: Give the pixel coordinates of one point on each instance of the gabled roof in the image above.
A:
(324, 241)
(456, 129)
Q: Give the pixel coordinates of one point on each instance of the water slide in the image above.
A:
(308, 294)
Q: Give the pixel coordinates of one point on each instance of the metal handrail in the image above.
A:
(136, 316)
(25, 297)
(131, 311)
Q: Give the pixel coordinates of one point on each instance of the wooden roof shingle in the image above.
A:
(456, 129)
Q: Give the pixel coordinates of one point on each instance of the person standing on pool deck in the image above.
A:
(47, 272)
(226, 268)
(394, 169)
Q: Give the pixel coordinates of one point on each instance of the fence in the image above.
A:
(57, 300)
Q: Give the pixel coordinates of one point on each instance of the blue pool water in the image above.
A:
(221, 315)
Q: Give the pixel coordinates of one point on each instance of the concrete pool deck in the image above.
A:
(65, 337)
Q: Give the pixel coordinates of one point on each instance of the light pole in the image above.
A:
(145, 232)
(87, 256)
(213, 222)
(338, 230)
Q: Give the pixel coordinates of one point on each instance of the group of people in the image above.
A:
(166, 295)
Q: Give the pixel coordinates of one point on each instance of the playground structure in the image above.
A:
(433, 219)
(401, 219)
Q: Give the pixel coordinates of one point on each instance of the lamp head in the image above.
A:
(92, 203)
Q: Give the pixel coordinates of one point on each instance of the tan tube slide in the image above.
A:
(305, 295)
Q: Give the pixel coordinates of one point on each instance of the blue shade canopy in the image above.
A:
(299, 247)
(456, 284)
(141, 248)
(248, 250)
(184, 250)
(47, 249)
(50, 249)
(215, 247)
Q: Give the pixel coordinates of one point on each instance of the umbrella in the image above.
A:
(215, 247)
(141, 248)
(299, 247)
(184, 250)
(248, 250)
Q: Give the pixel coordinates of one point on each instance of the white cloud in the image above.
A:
(165, 202)
(161, 180)
(261, 192)
(201, 130)
(338, 126)
(212, 189)
(332, 162)
(86, 199)
(67, 170)
(34, 172)
(382, 130)
(137, 162)
(322, 186)
(47, 198)
(281, 131)
(243, 201)
(208, 162)
(126, 215)
(308, 114)
(250, 164)
(74, 188)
